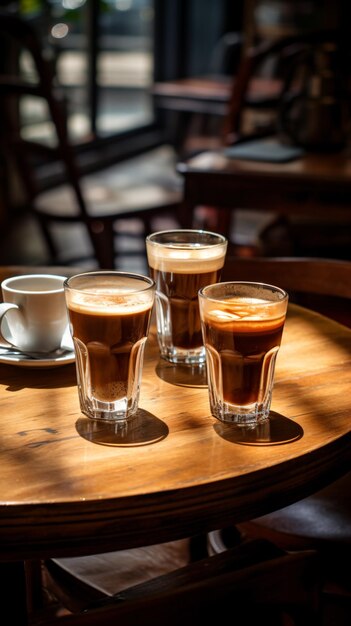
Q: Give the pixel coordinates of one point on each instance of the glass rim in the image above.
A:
(5, 283)
(151, 284)
(285, 296)
(185, 231)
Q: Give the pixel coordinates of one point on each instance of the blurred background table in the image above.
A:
(207, 97)
(314, 188)
(208, 94)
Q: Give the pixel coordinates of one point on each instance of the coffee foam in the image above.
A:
(186, 260)
(243, 309)
(109, 302)
(111, 391)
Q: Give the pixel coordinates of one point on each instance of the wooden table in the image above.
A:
(70, 486)
(316, 184)
(209, 96)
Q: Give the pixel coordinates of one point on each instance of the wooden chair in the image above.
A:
(321, 521)
(229, 92)
(97, 203)
(285, 55)
(321, 284)
(283, 231)
(251, 581)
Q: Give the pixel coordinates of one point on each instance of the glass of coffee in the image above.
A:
(242, 326)
(109, 315)
(180, 262)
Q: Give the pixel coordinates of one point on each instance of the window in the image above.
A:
(107, 54)
(102, 51)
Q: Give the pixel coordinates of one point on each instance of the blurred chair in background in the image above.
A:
(144, 187)
(309, 114)
(311, 108)
(202, 100)
(203, 105)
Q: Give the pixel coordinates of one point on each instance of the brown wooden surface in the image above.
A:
(316, 183)
(264, 584)
(188, 93)
(328, 277)
(70, 486)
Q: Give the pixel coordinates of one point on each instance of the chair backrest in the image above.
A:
(226, 54)
(322, 284)
(282, 55)
(20, 155)
(19, 36)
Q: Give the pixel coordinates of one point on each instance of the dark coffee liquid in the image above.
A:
(246, 350)
(182, 293)
(110, 341)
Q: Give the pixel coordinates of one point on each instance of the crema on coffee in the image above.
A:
(180, 266)
(109, 319)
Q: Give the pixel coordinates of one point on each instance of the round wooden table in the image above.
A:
(72, 486)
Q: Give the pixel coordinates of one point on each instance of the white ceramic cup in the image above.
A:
(33, 315)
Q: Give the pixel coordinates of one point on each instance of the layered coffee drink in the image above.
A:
(242, 333)
(109, 323)
(110, 336)
(245, 344)
(180, 265)
(181, 291)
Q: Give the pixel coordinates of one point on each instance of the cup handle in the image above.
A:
(4, 308)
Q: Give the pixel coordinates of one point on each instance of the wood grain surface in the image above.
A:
(69, 485)
(314, 184)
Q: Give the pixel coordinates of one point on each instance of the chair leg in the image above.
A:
(102, 237)
(49, 240)
(186, 215)
(12, 590)
(198, 547)
(34, 587)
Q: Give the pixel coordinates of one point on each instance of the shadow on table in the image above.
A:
(143, 429)
(274, 431)
(38, 378)
(182, 375)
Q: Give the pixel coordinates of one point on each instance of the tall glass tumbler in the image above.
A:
(109, 315)
(181, 262)
(242, 325)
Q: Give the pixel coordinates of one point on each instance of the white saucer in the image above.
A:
(25, 361)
